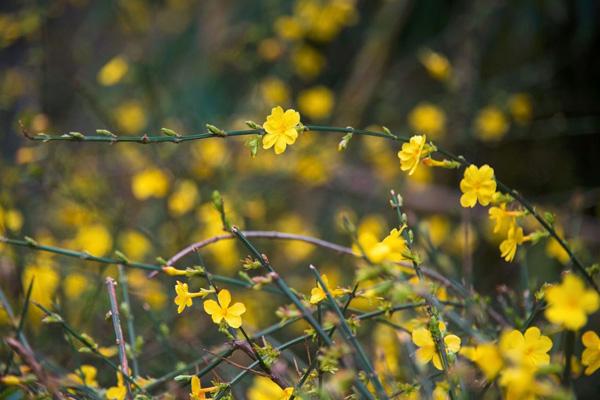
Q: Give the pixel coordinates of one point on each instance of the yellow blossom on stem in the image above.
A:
(280, 128)
(172, 271)
(264, 388)
(569, 303)
(487, 357)
(317, 294)
(478, 184)
(117, 392)
(411, 153)
(503, 218)
(197, 391)
(591, 355)
(184, 297)
(530, 349)
(89, 376)
(222, 311)
(390, 249)
(508, 247)
(427, 350)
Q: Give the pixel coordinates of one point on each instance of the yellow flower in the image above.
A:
(274, 91)
(11, 219)
(569, 303)
(317, 294)
(591, 355)
(508, 247)
(222, 311)
(197, 392)
(521, 107)
(264, 388)
(487, 357)
(411, 153)
(390, 249)
(529, 349)
(117, 392)
(478, 184)
(316, 102)
(130, 117)
(113, 71)
(491, 124)
(436, 64)
(519, 383)
(280, 128)
(441, 391)
(151, 182)
(74, 285)
(503, 218)
(184, 198)
(94, 238)
(428, 119)
(184, 297)
(288, 28)
(10, 380)
(307, 61)
(89, 376)
(134, 244)
(427, 350)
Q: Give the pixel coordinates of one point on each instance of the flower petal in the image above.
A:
(224, 298)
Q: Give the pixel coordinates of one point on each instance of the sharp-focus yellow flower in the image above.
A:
(222, 311)
(317, 294)
(478, 184)
(391, 249)
(113, 71)
(89, 373)
(316, 102)
(184, 198)
(197, 392)
(529, 349)
(117, 392)
(184, 297)
(508, 247)
(264, 388)
(521, 107)
(429, 119)
(151, 182)
(569, 303)
(427, 350)
(436, 64)
(491, 124)
(411, 153)
(280, 128)
(487, 357)
(591, 355)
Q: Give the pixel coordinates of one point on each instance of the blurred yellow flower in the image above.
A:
(313, 170)
(591, 354)
(429, 119)
(223, 311)
(518, 382)
(117, 392)
(280, 128)
(391, 249)
(134, 244)
(113, 71)
(151, 182)
(208, 156)
(74, 285)
(438, 228)
(11, 219)
(521, 107)
(503, 218)
(317, 294)
(555, 250)
(570, 302)
(478, 184)
(427, 350)
(508, 247)
(93, 238)
(130, 117)
(491, 124)
(197, 392)
(184, 198)
(316, 102)
(288, 28)
(441, 391)
(487, 357)
(89, 373)
(270, 49)
(274, 91)
(411, 153)
(529, 349)
(264, 388)
(307, 62)
(436, 64)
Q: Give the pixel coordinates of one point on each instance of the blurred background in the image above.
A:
(509, 83)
